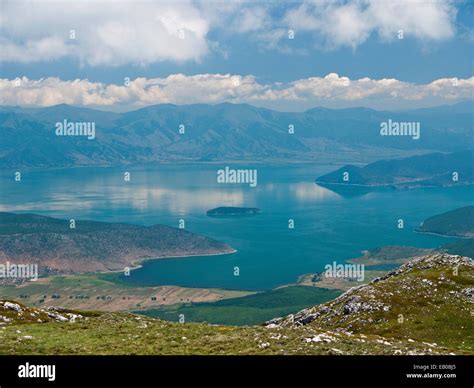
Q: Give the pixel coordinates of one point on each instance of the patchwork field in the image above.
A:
(95, 292)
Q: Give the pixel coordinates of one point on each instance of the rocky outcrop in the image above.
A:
(15, 313)
(370, 303)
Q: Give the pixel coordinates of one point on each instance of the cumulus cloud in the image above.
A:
(102, 33)
(216, 88)
(143, 32)
(350, 23)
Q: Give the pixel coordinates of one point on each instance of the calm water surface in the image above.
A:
(328, 225)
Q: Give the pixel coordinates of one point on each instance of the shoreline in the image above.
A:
(138, 263)
(182, 163)
(390, 185)
(442, 235)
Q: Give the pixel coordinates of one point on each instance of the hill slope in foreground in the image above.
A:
(433, 295)
(93, 246)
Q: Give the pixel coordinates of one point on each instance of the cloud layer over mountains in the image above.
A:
(216, 88)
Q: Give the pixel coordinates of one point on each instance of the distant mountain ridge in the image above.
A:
(200, 132)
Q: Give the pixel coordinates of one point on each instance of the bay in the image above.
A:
(329, 226)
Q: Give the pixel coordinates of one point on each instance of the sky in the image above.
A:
(284, 55)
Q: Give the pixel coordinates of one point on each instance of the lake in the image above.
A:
(328, 226)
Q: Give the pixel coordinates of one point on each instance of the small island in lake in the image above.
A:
(231, 211)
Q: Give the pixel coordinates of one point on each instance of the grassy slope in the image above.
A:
(426, 292)
(438, 312)
(121, 333)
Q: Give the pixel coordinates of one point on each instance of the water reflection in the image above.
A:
(351, 191)
(308, 191)
(166, 189)
(332, 223)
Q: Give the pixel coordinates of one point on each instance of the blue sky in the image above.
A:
(246, 44)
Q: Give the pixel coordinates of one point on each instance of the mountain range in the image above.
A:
(230, 132)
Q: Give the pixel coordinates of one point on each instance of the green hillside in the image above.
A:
(458, 222)
(433, 294)
(428, 299)
(247, 310)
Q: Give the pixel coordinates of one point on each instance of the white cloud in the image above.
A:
(106, 33)
(251, 19)
(215, 88)
(350, 23)
(143, 32)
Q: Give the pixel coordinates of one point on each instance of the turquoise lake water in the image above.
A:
(329, 226)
